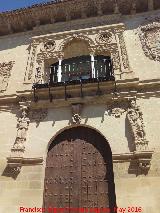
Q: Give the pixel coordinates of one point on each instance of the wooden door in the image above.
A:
(78, 172)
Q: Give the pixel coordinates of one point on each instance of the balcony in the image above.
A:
(81, 70)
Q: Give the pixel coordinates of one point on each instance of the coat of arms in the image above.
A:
(150, 39)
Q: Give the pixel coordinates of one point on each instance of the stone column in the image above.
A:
(116, 8)
(150, 5)
(59, 69)
(92, 66)
(133, 8)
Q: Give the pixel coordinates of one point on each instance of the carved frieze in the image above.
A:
(5, 73)
(150, 38)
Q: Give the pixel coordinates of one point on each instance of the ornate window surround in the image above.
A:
(100, 40)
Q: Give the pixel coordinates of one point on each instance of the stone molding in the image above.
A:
(51, 12)
(5, 73)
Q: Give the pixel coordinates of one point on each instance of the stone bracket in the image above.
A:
(143, 158)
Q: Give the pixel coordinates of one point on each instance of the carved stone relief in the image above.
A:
(22, 127)
(5, 73)
(135, 118)
(99, 42)
(104, 37)
(150, 38)
(76, 113)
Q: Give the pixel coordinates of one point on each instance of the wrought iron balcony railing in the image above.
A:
(78, 70)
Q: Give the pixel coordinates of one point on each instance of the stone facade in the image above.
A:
(126, 111)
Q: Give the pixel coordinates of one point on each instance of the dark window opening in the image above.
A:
(82, 68)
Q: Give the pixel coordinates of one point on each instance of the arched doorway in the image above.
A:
(79, 171)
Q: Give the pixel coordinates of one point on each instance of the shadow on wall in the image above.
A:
(12, 172)
(129, 136)
(14, 41)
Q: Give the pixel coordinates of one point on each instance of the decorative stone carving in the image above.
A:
(22, 126)
(76, 113)
(108, 40)
(117, 112)
(144, 164)
(134, 116)
(78, 36)
(31, 60)
(150, 38)
(49, 45)
(39, 75)
(5, 73)
(104, 37)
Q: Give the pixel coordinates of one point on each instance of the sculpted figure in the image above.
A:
(22, 126)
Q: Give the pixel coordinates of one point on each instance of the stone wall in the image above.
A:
(133, 186)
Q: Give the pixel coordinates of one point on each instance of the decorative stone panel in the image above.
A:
(150, 38)
(5, 73)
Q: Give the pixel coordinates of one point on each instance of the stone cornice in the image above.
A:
(65, 10)
(124, 90)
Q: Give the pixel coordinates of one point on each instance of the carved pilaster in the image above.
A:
(5, 73)
(31, 59)
(122, 50)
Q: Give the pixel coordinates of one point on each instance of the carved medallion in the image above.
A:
(49, 45)
(104, 37)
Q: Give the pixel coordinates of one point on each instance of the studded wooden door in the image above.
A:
(78, 171)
